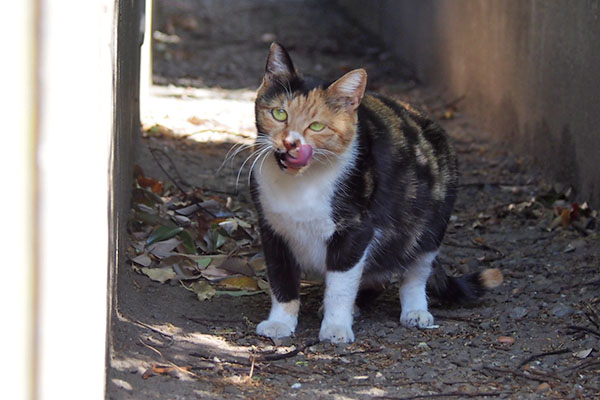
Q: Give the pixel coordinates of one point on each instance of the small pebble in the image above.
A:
(560, 310)
(506, 339)
(296, 385)
(486, 325)
(518, 312)
(390, 324)
(542, 387)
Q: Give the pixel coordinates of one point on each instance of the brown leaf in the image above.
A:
(240, 282)
(157, 188)
(237, 265)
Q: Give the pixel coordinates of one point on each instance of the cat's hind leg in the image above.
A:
(412, 293)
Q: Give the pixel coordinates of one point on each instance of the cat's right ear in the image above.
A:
(349, 90)
(279, 65)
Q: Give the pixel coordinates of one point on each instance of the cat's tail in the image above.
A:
(449, 289)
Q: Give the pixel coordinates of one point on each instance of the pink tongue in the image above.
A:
(303, 157)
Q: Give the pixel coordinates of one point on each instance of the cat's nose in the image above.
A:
(289, 145)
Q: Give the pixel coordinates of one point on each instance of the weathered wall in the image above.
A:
(530, 70)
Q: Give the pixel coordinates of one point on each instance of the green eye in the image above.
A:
(279, 114)
(316, 126)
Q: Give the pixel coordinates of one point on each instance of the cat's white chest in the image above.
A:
(299, 208)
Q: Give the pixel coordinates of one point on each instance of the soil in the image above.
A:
(527, 338)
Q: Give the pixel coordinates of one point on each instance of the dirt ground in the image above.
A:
(536, 336)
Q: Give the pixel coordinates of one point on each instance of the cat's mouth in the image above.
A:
(295, 159)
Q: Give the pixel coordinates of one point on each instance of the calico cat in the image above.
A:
(356, 187)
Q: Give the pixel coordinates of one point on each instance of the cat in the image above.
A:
(356, 187)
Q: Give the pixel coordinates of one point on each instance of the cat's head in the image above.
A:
(304, 121)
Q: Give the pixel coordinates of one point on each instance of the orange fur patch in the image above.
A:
(340, 125)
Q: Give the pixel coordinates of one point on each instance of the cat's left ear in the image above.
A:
(279, 65)
(350, 88)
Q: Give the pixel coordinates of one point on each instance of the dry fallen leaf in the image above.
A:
(237, 265)
(582, 353)
(203, 290)
(143, 260)
(159, 274)
(165, 248)
(240, 282)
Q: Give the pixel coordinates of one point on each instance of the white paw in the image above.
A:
(274, 329)
(336, 333)
(355, 311)
(418, 318)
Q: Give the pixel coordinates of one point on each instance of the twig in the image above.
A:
(592, 315)
(352, 353)
(442, 395)
(590, 283)
(252, 358)
(584, 329)
(282, 356)
(475, 245)
(582, 365)
(540, 355)
(163, 334)
(172, 364)
(152, 151)
(540, 378)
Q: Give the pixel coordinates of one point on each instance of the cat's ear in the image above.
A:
(350, 88)
(279, 65)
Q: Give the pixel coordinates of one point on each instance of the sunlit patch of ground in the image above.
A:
(203, 115)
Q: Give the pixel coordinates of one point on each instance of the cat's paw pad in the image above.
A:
(274, 329)
(336, 333)
(417, 318)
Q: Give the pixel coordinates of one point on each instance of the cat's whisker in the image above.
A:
(263, 161)
(256, 152)
(262, 152)
(232, 154)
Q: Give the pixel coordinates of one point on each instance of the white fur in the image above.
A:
(412, 293)
(282, 320)
(340, 293)
(350, 82)
(294, 136)
(298, 207)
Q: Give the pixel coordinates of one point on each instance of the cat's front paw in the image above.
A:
(416, 318)
(336, 333)
(274, 329)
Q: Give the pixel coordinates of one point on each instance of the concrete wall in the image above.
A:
(530, 70)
